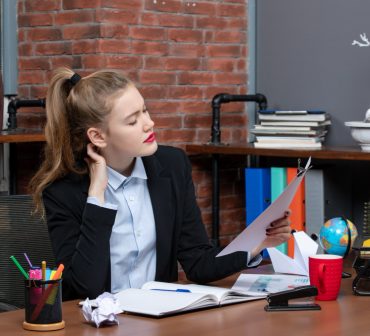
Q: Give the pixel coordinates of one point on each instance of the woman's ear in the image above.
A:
(96, 137)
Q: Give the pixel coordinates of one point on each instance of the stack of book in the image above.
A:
(291, 129)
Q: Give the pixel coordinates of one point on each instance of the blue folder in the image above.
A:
(258, 193)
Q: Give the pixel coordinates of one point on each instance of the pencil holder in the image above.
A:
(43, 305)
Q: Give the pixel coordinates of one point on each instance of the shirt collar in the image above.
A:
(115, 179)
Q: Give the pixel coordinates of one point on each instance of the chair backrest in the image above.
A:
(20, 232)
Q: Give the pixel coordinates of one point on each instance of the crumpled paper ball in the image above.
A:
(102, 310)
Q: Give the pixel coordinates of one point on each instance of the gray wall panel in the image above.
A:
(306, 60)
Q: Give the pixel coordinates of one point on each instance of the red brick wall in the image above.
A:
(180, 53)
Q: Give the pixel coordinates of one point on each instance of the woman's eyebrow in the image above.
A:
(135, 112)
(132, 114)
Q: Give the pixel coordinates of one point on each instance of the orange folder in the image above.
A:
(297, 207)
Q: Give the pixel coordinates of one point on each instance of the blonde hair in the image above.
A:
(72, 108)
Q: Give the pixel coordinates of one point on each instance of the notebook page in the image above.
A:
(222, 294)
(157, 303)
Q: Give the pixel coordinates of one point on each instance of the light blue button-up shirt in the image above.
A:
(133, 238)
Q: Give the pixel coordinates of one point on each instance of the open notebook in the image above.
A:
(161, 298)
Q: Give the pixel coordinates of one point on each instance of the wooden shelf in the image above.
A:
(22, 135)
(331, 153)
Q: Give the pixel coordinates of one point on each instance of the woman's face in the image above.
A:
(129, 128)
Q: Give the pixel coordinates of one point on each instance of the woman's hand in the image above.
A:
(277, 233)
(98, 173)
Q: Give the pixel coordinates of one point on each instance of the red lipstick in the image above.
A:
(150, 138)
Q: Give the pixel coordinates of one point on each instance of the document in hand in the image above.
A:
(304, 247)
(255, 233)
(160, 298)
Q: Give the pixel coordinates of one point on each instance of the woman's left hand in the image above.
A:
(277, 233)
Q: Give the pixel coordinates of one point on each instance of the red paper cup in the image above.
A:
(326, 274)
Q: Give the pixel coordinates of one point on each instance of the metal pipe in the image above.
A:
(222, 98)
(15, 104)
(215, 199)
(217, 101)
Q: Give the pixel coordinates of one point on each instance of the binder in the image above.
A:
(297, 208)
(257, 194)
(315, 202)
(278, 184)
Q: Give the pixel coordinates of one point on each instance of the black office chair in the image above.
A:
(20, 232)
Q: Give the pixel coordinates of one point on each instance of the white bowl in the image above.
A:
(360, 131)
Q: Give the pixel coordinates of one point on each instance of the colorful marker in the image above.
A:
(43, 270)
(19, 267)
(45, 295)
(28, 260)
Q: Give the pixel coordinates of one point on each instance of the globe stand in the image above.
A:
(315, 237)
(346, 275)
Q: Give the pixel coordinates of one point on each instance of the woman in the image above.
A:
(120, 209)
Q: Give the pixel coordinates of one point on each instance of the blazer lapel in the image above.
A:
(159, 185)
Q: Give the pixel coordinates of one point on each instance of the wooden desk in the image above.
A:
(327, 152)
(349, 315)
(22, 135)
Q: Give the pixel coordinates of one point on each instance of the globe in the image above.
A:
(333, 236)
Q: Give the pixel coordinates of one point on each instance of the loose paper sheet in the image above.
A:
(255, 232)
(304, 247)
(269, 283)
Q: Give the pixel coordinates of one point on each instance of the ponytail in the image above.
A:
(72, 106)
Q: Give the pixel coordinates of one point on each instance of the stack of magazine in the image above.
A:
(291, 129)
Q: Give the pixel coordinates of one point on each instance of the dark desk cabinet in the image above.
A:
(24, 138)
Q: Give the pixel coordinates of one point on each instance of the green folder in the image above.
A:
(278, 184)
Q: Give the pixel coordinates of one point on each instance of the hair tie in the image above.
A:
(75, 79)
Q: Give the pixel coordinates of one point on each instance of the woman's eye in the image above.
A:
(133, 123)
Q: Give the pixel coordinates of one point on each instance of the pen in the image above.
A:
(58, 273)
(28, 260)
(52, 274)
(19, 267)
(46, 294)
(181, 290)
(43, 270)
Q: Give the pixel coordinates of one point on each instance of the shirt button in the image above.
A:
(138, 233)
(131, 198)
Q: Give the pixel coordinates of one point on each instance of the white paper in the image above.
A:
(304, 247)
(105, 312)
(255, 233)
(158, 303)
(269, 283)
(219, 292)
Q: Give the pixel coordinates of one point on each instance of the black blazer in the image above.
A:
(80, 231)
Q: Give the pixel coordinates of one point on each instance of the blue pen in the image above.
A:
(181, 290)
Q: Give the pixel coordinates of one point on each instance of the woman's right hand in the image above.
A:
(98, 173)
